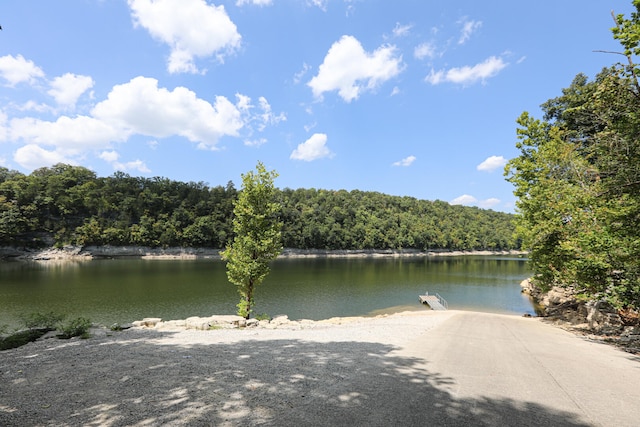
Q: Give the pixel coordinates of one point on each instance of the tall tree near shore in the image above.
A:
(258, 239)
(578, 181)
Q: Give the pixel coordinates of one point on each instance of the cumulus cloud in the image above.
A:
(468, 28)
(468, 75)
(68, 88)
(465, 199)
(109, 156)
(313, 148)
(468, 200)
(350, 70)
(32, 156)
(191, 28)
(407, 161)
(138, 107)
(16, 69)
(141, 107)
(74, 134)
(492, 163)
(488, 203)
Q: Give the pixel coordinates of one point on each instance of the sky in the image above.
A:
(412, 98)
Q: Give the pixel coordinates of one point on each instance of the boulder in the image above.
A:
(147, 322)
(603, 318)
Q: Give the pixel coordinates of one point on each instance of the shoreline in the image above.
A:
(88, 253)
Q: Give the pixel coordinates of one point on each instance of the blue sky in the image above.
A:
(404, 97)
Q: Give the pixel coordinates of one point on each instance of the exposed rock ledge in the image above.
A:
(233, 322)
(84, 253)
(595, 319)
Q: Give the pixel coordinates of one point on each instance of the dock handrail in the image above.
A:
(442, 301)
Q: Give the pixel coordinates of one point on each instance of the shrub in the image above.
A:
(47, 321)
(75, 328)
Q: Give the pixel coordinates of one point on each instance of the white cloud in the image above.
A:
(465, 199)
(261, 118)
(402, 30)
(68, 88)
(255, 2)
(16, 69)
(137, 165)
(322, 4)
(137, 107)
(468, 28)
(73, 134)
(492, 163)
(192, 28)
(297, 77)
(112, 158)
(140, 107)
(32, 156)
(424, 50)
(468, 75)
(109, 156)
(489, 203)
(313, 148)
(407, 161)
(255, 142)
(350, 70)
(266, 116)
(468, 200)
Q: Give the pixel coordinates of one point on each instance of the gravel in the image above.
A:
(342, 371)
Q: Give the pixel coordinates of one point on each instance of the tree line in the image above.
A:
(578, 180)
(66, 204)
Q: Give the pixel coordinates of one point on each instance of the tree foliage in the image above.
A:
(258, 237)
(578, 182)
(69, 205)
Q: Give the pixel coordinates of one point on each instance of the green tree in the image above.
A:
(578, 181)
(258, 239)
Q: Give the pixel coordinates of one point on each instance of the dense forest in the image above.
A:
(578, 181)
(66, 204)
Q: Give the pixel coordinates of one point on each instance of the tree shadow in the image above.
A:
(248, 383)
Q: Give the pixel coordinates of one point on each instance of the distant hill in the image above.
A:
(67, 204)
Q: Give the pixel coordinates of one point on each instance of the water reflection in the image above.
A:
(109, 291)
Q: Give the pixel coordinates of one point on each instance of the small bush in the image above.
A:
(47, 321)
(75, 328)
(263, 317)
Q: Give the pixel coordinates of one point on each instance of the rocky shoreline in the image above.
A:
(87, 253)
(596, 320)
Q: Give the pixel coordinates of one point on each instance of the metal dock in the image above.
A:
(436, 302)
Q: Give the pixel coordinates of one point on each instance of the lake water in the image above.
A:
(110, 291)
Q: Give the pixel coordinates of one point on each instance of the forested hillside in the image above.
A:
(67, 204)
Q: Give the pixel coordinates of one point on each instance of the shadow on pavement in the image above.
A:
(252, 382)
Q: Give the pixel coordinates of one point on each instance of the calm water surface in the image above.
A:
(109, 291)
